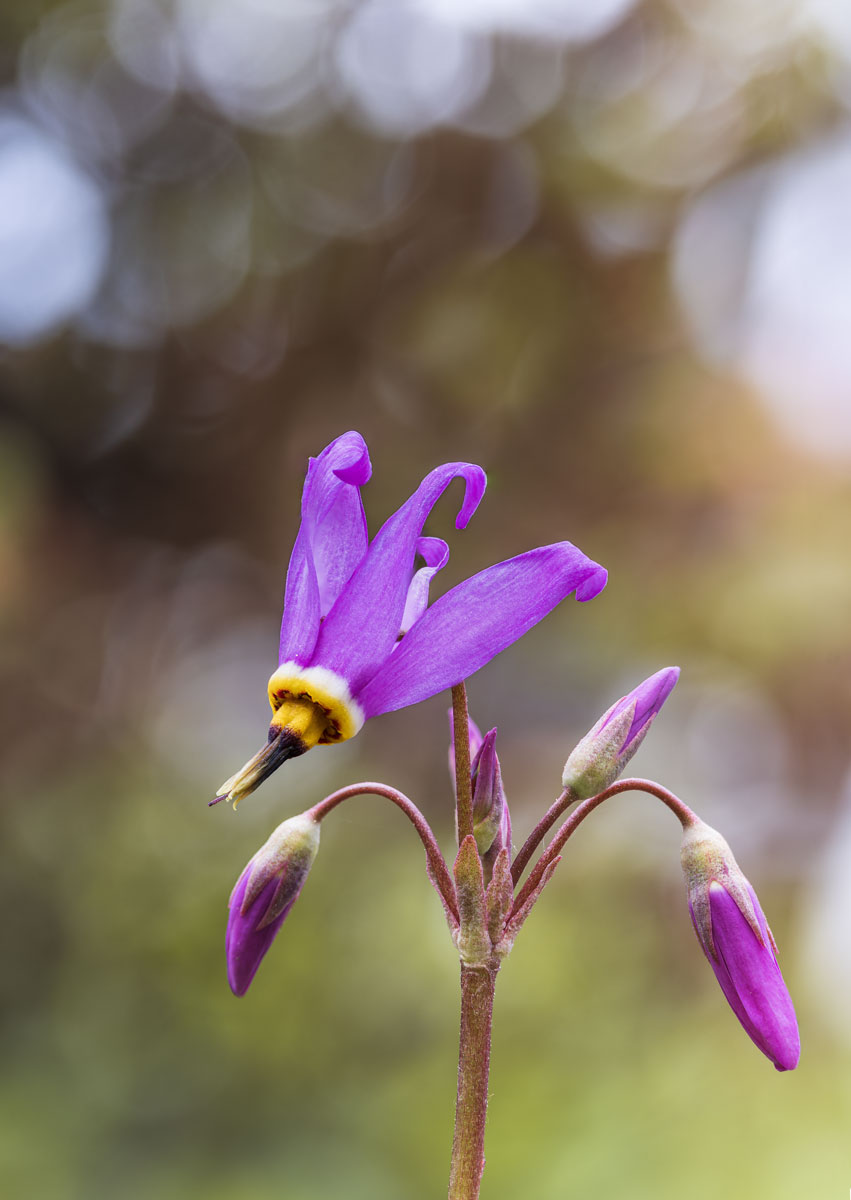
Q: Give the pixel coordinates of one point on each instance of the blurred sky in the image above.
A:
(602, 249)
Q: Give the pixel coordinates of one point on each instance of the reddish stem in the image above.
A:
(463, 781)
(680, 810)
(468, 1146)
(438, 870)
(539, 832)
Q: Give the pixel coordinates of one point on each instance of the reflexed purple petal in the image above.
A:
(751, 980)
(341, 537)
(435, 553)
(363, 625)
(331, 541)
(476, 620)
(300, 622)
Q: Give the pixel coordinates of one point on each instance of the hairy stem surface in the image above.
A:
(680, 810)
(438, 870)
(540, 831)
(468, 1146)
(463, 782)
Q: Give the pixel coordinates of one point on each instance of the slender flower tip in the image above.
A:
(602, 754)
(350, 452)
(735, 937)
(592, 584)
(264, 894)
(476, 481)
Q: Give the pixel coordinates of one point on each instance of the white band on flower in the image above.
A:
(326, 689)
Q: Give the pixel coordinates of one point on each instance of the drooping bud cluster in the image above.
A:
(602, 754)
(359, 638)
(264, 894)
(735, 937)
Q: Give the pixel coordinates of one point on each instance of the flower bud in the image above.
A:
(491, 819)
(264, 894)
(608, 746)
(472, 938)
(735, 937)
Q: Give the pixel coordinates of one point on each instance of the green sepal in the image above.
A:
(472, 938)
(500, 896)
(706, 860)
(598, 760)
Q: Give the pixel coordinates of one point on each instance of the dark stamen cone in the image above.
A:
(282, 745)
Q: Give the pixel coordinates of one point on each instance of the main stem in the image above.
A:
(468, 1145)
(463, 782)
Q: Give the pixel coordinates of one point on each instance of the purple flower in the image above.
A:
(735, 937)
(358, 636)
(264, 894)
(608, 746)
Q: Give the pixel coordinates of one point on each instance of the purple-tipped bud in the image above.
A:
(608, 746)
(264, 894)
(491, 819)
(735, 937)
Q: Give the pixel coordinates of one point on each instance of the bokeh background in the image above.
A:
(602, 248)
